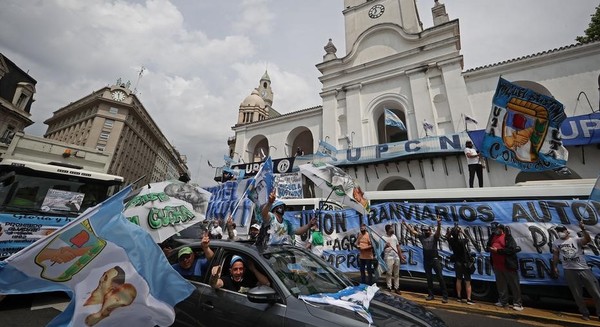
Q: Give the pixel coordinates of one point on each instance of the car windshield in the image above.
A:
(303, 273)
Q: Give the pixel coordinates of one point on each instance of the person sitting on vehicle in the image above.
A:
(216, 232)
(191, 267)
(239, 279)
(280, 230)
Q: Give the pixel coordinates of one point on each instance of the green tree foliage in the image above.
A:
(592, 33)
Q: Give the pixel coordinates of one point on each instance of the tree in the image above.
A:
(592, 33)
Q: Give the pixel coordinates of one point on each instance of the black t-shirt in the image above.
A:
(249, 281)
(430, 246)
(458, 247)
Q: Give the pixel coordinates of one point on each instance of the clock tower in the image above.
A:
(361, 15)
(264, 89)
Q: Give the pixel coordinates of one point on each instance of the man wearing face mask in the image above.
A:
(392, 254)
(431, 259)
(281, 230)
(504, 249)
(577, 273)
(474, 163)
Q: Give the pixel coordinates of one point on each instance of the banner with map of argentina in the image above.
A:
(523, 129)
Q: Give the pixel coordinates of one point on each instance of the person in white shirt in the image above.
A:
(391, 255)
(577, 272)
(216, 232)
(474, 162)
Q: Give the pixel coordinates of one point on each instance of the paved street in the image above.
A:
(38, 310)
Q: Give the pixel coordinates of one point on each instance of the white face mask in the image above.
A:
(562, 235)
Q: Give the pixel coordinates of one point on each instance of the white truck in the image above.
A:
(44, 184)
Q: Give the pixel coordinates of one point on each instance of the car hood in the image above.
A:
(385, 309)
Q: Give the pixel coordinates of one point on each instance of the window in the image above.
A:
(113, 110)
(8, 135)
(104, 136)
(108, 123)
(22, 101)
(100, 147)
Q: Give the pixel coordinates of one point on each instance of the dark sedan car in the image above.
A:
(291, 272)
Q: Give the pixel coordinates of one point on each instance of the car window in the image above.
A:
(199, 254)
(303, 273)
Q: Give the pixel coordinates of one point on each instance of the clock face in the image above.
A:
(118, 95)
(376, 11)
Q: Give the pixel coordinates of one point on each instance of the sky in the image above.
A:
(203, 57)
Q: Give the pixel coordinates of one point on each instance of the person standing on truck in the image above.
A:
(474, 163)
(391, 255)
(504, 249)
(577, 273)
(431, 258)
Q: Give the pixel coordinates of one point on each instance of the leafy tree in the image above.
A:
(592, 33)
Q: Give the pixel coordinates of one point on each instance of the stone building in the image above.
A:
(113, 119)
(391, 62)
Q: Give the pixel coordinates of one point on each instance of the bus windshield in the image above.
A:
(35, 192)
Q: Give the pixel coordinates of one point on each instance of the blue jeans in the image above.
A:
(368, 265)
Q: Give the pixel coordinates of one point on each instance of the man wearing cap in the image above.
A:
(238, 280)
(431, 258)
(504, 249)
(254, 229)
(188, 265)
(281, 230)
(577, 273)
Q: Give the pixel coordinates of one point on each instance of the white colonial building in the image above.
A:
(391, 62)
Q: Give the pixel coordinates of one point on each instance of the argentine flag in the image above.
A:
(115, 274)
(392, 120)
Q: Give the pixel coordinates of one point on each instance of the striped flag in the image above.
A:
(392, 120)
(427, 125)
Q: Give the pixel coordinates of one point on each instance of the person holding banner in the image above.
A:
(431, 258)
(577, 273)
(391, 255)
(462, 261)
(504, 249)
(281, 230)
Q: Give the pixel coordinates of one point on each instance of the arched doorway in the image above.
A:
(395, 184)
(257, 149)
(300, 138)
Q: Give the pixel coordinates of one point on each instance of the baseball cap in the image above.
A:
(276, 204)
(236, 258)
(184, 251)
(255, 226)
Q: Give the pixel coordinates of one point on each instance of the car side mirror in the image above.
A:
(262, 294)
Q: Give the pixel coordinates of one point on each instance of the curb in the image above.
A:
(532, 314)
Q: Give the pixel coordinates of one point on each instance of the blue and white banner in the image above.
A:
(101, 260)
(453, 143)
(392, 120)
(224, 199)
(289, 186)
(581, 130)
(523, 129)
(531, 223)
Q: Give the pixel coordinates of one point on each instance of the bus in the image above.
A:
(531, 210)
(37, 198)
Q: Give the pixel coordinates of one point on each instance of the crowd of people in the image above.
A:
(239, 274)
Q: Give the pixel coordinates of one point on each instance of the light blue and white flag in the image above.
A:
(115, 274)
(263, 184)
(378, 247)
(353, 298)
(595, 195)
(392, 120)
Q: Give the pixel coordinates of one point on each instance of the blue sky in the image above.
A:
(204, 57)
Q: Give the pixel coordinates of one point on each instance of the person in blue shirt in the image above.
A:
(189, 265)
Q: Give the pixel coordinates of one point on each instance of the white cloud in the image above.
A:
(204, 57)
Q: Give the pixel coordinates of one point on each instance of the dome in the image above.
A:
(253, 100)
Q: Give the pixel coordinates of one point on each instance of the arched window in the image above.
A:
(390, 134)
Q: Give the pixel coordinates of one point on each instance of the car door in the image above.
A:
(227, 308)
